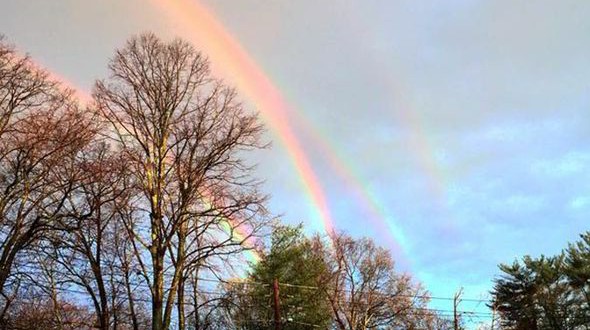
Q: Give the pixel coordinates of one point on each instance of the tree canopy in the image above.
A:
(330, 283)
(546, 292)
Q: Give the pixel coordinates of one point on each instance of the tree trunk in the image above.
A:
(180, 271)
(103, 317)
(130, 298)
(158, 292)
(196, 298)
(180, 305)
(174, 285)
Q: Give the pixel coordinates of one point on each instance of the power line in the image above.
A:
(424, 309)
(220, 292)
(397, 295)
(411, 311)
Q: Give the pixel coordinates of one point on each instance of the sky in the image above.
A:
(455, 133)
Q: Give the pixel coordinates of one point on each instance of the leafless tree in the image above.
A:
(183, 134)
(85, 249)
(35, 311)
(365, 292)
(133, 298)
(42, 130)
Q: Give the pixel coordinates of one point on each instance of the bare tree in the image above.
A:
(42, 130)
(365, 292)
(23, 87)
(133, 298)
(183, 133)
(36, 311)
(85, 249)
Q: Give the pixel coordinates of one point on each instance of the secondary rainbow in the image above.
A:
(232, 60)
(345, 169)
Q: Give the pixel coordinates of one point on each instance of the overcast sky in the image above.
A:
(466, 122)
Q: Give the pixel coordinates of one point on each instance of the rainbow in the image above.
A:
(406, 111)
(228, 57)
(237, 231)
(238, 235)
(424, 151)
(65, 84)
(354, 182)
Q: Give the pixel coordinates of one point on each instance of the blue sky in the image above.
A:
(468, 121)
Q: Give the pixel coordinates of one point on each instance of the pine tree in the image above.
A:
(292, 262)
(536, 294)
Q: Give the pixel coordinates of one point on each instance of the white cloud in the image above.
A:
(570, 164)
(579, 203)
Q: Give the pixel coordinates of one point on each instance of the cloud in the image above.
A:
(572, 163)
(579, 203)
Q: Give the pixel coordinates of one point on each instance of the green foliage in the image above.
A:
(547, 292)
(298, 270)
(578, 264)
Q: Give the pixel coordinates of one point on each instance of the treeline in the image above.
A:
(134, 211)
(341, 283)
(121, 201)
(546, 292)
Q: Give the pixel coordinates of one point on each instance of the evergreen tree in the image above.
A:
(536, 294)
(577, 261)
(298, 270)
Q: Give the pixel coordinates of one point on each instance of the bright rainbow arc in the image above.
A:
(229, 58)
(273, 108)
(253, 255)
(226, 52)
